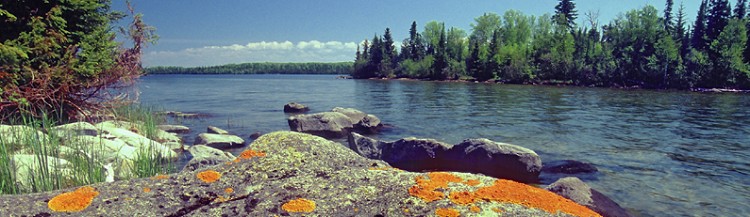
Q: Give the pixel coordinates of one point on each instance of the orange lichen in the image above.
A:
(146, 190)
(159, 176)
(75, 201)
(299, 205)
(462, 197)
(427, 189)
(447, 212)
(498, 210)
(247, 154)
(475, 209)
(472, 182)
(519, 193)
(228, 190)
(209, 176)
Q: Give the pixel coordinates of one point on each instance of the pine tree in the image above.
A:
(474, 63)
(441, 58)
(389, 55)
(358, 55)
(565, 11)
(718, 18)
(680, 33)
(492, 65)
(668, 25)
(740, 10)
(416, 49)
(698, 39)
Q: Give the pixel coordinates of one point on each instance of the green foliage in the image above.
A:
(258, 68)
(565, 14)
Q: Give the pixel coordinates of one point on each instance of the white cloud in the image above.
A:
(286, 51)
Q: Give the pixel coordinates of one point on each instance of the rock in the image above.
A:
(110, 149)
(296, 167)
(370, 124)
(219, 141)
(325, 124)
(256, 135)
(216, 130)
(203, 151)
(174, 128)
(414, 154)
(141, 142)
(175, 146)
(568, 167)
(365, 146)
(176, 114)
(74, 129)
(26, 167)
(580, 192)
(17, 135)
(495, 159)
(483, 156)
(354, 115)
(159, 135)
(294, 107)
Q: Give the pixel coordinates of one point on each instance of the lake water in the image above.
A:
(659, 153)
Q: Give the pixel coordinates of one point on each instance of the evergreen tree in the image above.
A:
(416, 48)
(668, 24)
(718, 18)
(698, 39)
(740, 10)
(441, 58)
(390, 57)
(474, 64)
(492, 65)
(358, 55)
(565, 12)
(680, 33)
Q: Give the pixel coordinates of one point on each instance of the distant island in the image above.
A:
(259, 68)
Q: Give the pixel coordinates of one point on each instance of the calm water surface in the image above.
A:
(659, 153)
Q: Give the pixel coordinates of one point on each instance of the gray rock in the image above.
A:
(294, 107)
(355, 116)
(414, 154)
(256, 135)
(216, 130)
(370, 124)
(74, 129)
(175, 128)
(495, 159)
(365, 146)
(325, 124)
(26, 167)
(296, 165)
(580, 192)
(568, 167)
(219, 141)
(18, 135)
(203, 151)
(140, 142)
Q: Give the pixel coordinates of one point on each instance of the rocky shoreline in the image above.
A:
(301, 174)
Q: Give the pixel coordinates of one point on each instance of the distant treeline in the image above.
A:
(258, 68)
(640, 48)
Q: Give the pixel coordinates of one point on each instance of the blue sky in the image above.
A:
(202, 33)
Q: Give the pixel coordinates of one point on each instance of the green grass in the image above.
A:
(84, 161)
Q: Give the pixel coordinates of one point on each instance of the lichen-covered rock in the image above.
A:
(325, 124)
(140, 142)
(580, 192)
(174, 128)
(74, 129)
(219, 141)
(495, 159)
(294, 107)
(216, 130)
(295, 174)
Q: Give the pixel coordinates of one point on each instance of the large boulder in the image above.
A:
(18, 136)
(140, 142)
(325, 124)
(495, 159)
(74, 129)
(413, 154)
(174, 128)
(295, 174)
(26, 169)
(159, 135)
(294, 107)
(219, 141)
(354, 115)
(483, 156)
(363, 122)
(576, 190)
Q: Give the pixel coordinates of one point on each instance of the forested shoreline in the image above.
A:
(643, 48)
(258, 68)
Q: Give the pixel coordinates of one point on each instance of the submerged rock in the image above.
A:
(288, 173)
(568, 167)
(580, 192)
(294, 107)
